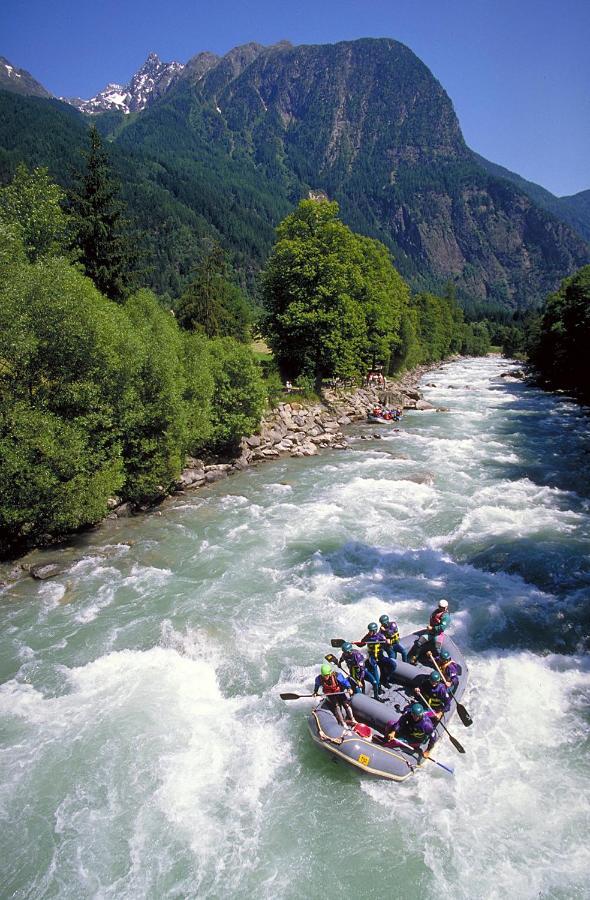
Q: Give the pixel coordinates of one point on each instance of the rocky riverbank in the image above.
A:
(303, 429)
(295, 429)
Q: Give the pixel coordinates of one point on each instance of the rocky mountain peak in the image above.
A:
(19, 81)
(149, 82)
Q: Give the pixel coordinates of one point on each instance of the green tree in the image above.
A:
(154, 430)
(384, 297)
(67, 373)
(313, 287)
(559, 352)
(212, 304)
(239, 394)
(407, 353)
(33, 205)
(198, 391)
(102, 231)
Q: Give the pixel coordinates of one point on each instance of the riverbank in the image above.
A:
(293, 429)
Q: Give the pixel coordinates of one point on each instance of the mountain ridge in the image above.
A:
(367, 123)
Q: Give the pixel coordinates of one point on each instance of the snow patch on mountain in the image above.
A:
(148, 83)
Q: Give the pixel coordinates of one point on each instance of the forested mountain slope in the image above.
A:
(574, 209)
(236, 141)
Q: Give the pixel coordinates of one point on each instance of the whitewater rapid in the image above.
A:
(145, 752)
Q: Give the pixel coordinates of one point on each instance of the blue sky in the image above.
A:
(517, 71)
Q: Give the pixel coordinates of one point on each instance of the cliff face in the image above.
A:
(366, 122)
(229, 144)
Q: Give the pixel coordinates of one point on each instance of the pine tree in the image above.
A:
(105, 250)
(212, 304)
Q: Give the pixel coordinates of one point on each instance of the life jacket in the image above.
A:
(374, 648)
(391, 633)
(450, 669)
(355, 663)
(330, 684)
(415, 730)
(435, 699)
(436, 617)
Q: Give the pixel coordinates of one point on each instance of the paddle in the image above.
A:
(448, 769)
(337, 642)
(461, 711)
(452, 739)
(302, 696)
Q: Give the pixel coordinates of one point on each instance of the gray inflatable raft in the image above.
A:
(395, 764)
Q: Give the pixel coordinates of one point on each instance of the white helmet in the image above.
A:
(444, 604)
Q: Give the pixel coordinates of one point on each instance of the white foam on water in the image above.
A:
(150, 740)
(518, 780)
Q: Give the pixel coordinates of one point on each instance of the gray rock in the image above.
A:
(191, 478)
(113, 502)
(124, 511)
(46, 570)
(214, 475)
(424, 404)
(253, 441)
(309, 450)
(241, 463)
(420, 478)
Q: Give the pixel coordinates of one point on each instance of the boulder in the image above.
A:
(253, 441)
(423, 404)
(308, 450)
(191, 478)
(42, 571)
(216, 473)
(124, 511)
(419, 478)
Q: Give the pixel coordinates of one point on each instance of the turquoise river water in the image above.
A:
(145, 752)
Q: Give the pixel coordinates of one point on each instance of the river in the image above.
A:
(145, 751)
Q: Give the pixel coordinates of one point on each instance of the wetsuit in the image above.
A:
(413, 732)
(355, 662)
(378, 663)
(391, 632)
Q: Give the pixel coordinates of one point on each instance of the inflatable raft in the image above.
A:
(395, 764)
(379, 420)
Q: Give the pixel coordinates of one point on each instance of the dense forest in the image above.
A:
(558, 339)
(106, 387)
